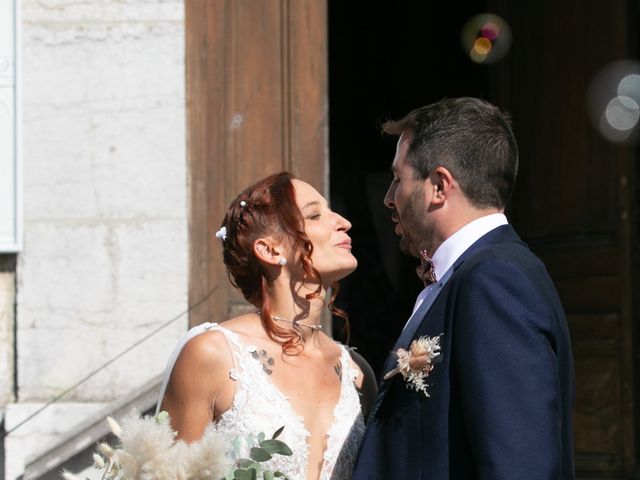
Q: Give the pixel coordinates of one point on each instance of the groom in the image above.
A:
(499, 391)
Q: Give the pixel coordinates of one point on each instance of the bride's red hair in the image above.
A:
(269, 208)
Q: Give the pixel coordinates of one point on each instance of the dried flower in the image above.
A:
(67, 475)
(222, 233)
(115, 427)
(105, 449)
(98, 461)
(415, 364)
(148, 451)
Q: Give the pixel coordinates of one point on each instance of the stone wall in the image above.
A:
(7, 317)
(105, 206)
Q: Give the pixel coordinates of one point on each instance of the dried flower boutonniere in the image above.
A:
(415, 364)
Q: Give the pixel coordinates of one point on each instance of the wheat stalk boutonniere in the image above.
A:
(416, 363)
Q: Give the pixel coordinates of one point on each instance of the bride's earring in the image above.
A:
(282, 261)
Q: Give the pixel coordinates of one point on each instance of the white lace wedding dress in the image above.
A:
(258, 406)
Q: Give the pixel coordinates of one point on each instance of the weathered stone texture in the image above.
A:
(105, 208)
(105, 201)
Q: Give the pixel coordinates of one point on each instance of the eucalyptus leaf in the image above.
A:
(242, 474)
(276, 446)
(261, 436)
(244, 462)
(260, 454)
(277, 433)
(267, 475)
(279, 474)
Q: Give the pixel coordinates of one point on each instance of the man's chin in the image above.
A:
(406, 247)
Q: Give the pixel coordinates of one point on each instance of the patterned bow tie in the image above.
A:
(427, 270)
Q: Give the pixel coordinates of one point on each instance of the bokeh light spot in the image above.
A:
(486, 38)
(622, 113)
(613, 99)
(482, 46)
(490, 31)
(629, 86)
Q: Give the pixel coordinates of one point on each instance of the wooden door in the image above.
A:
(574, 204)
(257, 104)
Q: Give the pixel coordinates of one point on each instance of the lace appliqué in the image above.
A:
(347, 431)
(255, 395)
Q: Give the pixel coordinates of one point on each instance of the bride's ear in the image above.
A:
(268, 251)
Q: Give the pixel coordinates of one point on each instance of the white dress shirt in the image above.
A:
(454, 246)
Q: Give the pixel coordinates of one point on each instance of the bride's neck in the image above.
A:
(291, 305)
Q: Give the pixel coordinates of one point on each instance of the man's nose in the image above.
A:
(388, 198)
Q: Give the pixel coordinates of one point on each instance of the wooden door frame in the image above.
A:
(257, 103)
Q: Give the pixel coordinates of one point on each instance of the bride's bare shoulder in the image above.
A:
(206, 351)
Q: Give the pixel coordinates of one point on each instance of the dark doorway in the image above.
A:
(575, 201)
(383, 62)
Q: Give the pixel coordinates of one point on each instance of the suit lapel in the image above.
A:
(504, 233)
(416, 319)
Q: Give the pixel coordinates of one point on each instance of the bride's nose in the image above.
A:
(342, 223)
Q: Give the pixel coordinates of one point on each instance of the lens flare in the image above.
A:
(622, 113)
(486, 38)
(613, 99)
(482, 46)
(629, 86)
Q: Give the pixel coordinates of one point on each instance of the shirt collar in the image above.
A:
(454, 246)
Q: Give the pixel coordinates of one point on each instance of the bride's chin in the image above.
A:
(343, 273)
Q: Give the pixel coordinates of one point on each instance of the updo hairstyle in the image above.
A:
(269, 208)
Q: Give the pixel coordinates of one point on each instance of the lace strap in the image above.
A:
(349, 370)
(234, 345)
(233, 341)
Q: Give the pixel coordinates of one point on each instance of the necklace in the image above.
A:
(297, 323)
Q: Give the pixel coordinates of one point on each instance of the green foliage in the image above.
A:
(250, 468)
(274, 447)
(277, 433)
(260, 454)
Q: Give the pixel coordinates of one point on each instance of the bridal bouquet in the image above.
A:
(148, 451)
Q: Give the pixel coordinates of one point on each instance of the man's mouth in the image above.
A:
(396, 220)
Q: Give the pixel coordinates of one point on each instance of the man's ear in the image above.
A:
(267, 251)
(442, 183)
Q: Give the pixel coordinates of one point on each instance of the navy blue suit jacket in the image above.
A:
(500, 397)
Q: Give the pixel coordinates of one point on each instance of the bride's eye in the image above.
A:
(313, 216)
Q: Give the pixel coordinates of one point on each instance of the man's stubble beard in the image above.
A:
(417, 231)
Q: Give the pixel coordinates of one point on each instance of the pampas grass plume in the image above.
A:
(115, 427)
(105, 449)
(98, 461)
(148, 451)
(67, 475)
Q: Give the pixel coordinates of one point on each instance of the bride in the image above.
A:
(283, 248)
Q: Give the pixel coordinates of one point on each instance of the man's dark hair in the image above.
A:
(469, 137)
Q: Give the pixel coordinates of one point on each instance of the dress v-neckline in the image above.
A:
(250, 349)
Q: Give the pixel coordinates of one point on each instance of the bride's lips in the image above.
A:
(346, 244)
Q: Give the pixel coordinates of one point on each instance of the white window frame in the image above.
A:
(10, 131)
